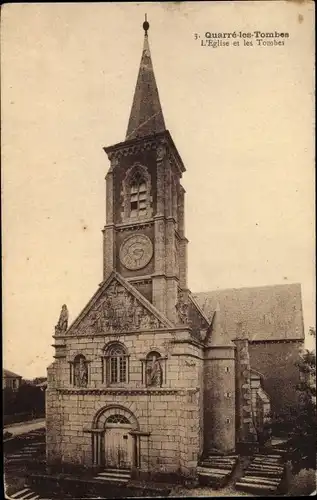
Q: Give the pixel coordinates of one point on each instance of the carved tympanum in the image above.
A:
(118, 311)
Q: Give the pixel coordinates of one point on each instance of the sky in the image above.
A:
(241, 117)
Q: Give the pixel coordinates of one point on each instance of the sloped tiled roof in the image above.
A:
(9, 374)
(258, 313)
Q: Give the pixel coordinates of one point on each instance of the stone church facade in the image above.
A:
(150, 377)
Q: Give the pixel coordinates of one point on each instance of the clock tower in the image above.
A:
(144, 237)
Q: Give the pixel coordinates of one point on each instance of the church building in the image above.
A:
(151, 378)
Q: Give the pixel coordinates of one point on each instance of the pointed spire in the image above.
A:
(146, 115)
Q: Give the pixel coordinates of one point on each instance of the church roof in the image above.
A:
(146, 115)
(258, 313)
(9, 374)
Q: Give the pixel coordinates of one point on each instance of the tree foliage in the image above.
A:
(27, 399)
(304, 435)
(299, 424)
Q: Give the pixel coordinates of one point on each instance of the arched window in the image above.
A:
(117, 419)
(79, 371)
(137, 200)
(138, 194)
(153, 370)
(115, 365)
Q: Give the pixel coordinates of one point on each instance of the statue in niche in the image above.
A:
(80, 372)
(154, 375)
(62, 324)
(182, 309)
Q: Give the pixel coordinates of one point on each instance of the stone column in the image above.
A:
(183, 263)
(171, 299)
(97, 444)
(160, 187)
(109, 196)
(183, 241)
(159, 279)
(219, 400)
(246, 433)
(170, 247)
(109, 229)
(108, 250)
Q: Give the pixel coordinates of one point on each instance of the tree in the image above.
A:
(299, 424)
(9, 401)
(304, 435)
(28, 399)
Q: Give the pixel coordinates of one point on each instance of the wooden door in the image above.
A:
(118, 446)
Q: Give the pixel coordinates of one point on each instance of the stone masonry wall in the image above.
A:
(171, 414)
(246, 432)
(276, 361)
(219, 401)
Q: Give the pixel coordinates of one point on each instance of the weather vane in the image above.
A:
(146, 25)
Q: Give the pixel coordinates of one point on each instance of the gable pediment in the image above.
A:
(117, 307)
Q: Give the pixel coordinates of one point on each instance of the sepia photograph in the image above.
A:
(158, 249)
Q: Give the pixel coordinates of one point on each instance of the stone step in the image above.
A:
(111, 479)
(21, 456)
(256, 488)
(20, 493)
(117, 475)
(262, 480)
(212, 474)
(114, 473)
(265, 466)
(278, 470)
(269, 462)
(275, 457)
(27, 494)
(213, 469)
(119, 471)
(216, 466)
(256, 470)
(266, 462)
(250, 472)
(218, 462)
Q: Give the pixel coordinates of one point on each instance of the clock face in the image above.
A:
(136, 251)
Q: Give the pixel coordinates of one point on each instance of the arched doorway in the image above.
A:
(115, 438)
(118, 442)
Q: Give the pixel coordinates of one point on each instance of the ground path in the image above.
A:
(24, 427)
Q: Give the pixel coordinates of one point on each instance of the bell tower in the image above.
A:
(144, 236)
